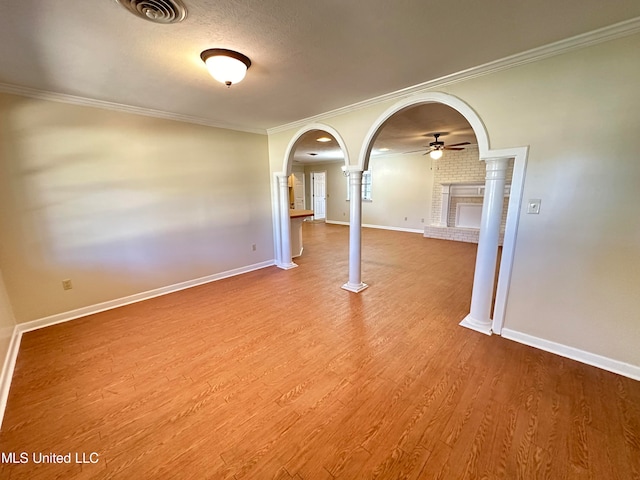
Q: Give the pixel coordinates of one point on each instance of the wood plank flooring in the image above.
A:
(283, 375)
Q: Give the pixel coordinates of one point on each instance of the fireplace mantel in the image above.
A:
(441, 228)
(468, 189)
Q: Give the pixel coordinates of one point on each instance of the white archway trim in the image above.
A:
(519, 154)
(291, 148)
(429, 97)
(281, 225)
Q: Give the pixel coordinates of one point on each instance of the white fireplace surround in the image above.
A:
(463, 189)
(441, 227)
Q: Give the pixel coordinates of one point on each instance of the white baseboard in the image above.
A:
(605, 363)
(469, 322)
(395, 229)
(138, 297)
(7, 369)
(381, 227)
(14, 346)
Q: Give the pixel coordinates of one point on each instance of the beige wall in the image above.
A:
(336, 191)
(7, 322)
(401, 187)
(122, 204)
(573, 282)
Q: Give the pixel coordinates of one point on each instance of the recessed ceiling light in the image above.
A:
(323, 139)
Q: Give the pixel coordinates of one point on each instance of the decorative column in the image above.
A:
(446, 201)
(355, 233)
(479, 318)
(285, 261)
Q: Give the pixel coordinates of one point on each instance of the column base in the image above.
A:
(470, 322)
(286, 266)
(355, 288)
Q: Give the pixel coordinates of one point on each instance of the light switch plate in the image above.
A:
(533, 206)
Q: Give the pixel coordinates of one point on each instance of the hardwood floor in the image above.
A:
(282, 374)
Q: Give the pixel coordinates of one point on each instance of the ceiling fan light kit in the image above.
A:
(437, 147)
(226, 66)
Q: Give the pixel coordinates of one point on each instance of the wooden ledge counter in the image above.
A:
(296, 218)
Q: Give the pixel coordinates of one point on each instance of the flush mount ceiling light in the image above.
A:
(157, 11)
(226, 66)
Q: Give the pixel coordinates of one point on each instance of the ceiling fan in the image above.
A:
(437, 147)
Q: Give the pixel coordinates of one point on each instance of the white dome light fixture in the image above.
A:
(436, 154)
(226, 66)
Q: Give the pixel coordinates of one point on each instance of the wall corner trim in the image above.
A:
(595, 360)
(8, 367)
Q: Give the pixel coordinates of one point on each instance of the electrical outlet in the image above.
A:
(66, 284)
(422, 220)
(253, 247)
(405, 219)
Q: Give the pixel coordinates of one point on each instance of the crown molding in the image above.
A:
(119, 107)
(605, 34)
(622, 29)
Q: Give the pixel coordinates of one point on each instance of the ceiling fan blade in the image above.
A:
(453, 148)
(415, 151)
(458, 144)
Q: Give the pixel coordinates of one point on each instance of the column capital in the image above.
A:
(496, 169)
(283, 179)
(499, 163)
(353, 170)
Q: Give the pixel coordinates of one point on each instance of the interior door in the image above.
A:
(298, 190)
(319, 195)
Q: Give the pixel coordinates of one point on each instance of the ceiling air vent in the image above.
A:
(158, 11)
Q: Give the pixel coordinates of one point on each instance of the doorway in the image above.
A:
(319, 195)
(297, 191)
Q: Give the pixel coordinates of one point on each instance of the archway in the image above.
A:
(496, 160)
(283, 233)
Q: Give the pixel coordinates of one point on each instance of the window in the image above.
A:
(366, 187)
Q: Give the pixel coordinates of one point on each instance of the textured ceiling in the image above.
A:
(408, 131)
(308, 57)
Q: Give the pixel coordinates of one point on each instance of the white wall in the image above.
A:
(573, 279)
(122, 204)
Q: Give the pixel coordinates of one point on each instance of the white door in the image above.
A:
(298, 190)
(319, 195)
